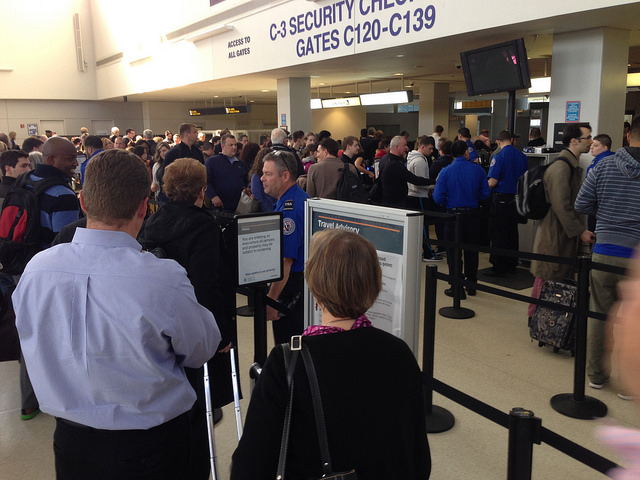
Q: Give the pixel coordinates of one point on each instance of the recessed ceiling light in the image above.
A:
(398, 74)
(322, 83)
(400, 55)
(216, 96)
(264, 90)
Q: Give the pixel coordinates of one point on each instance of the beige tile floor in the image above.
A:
(489, 357)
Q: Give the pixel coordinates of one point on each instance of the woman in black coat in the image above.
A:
(370, 382)
(188, 234)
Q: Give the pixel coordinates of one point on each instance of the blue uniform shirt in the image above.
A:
(473, 153)
(84, 165)
(507, 167)
(291, 204)
(597, 158)
(461, 184)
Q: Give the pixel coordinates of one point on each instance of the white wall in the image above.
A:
(38, 44)
(73, 113)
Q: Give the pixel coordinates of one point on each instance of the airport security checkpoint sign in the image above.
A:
(304, 32)
(397, 236)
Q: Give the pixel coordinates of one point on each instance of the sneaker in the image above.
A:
(471, 291)
(29, 413)
(598, 385)
(624, 396)
(435, 258)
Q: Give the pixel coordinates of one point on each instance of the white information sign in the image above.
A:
(397, 236)
(259, 248)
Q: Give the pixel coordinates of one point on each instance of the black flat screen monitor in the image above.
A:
(498, 68)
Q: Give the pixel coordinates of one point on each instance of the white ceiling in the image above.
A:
(433, 61)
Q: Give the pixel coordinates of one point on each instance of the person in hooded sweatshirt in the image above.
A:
(188, 234)
(611, 191)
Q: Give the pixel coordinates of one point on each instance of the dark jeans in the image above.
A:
(291, 296)
(160, 453)
(421, 204)
(470, 223)
(503, 229)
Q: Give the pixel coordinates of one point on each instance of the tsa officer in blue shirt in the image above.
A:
(506, 168)
(279, 174)
(460, 188)
(465, 135)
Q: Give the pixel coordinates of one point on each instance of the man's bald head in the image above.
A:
(61, 154)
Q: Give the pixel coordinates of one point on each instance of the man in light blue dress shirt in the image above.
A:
(106, 331)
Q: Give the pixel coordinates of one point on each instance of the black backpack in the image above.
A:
(20, 237)
(531, 200)
(350, 187)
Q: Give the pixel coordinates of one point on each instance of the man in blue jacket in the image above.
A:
(226, 176)
(460, 188)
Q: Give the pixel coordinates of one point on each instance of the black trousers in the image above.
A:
(160, 453)
(470, 223)
(291, 296)
(503, 230)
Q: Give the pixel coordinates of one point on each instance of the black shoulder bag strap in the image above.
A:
(318, 411)
(290, 360)
(327, 470)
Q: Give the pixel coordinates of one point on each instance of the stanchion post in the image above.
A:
(456, 311)
(524, 431)
(437, 418)
(577, 404)
(582, 314)
(457, 268)
(429, 334)
(259, 326)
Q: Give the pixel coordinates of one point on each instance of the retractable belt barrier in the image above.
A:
(524, 428)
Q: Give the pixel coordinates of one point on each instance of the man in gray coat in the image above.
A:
(561, 230)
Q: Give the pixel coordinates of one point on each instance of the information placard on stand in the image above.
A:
(259, 250)
(397, 236)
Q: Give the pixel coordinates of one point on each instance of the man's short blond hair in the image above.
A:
(183, 180)
(343, 273)
(115, 183)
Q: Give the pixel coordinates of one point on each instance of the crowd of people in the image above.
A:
(123, 373)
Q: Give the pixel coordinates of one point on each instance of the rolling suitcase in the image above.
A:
(555, 327)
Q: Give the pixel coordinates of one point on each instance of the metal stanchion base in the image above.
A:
(439, 420)
(586, 409)
(245, 311)
(458, 313)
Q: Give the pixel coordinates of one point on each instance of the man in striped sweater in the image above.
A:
(59, 205)
(611, 191)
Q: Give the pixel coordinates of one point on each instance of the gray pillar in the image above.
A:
(294, 95)
(590, 66)
(434, 108)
